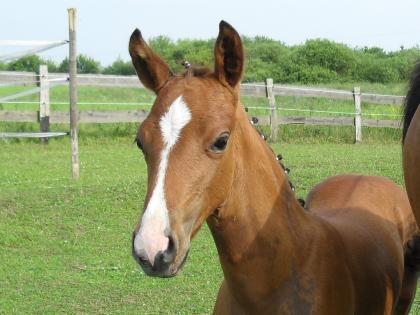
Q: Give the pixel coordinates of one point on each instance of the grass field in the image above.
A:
(65, 246)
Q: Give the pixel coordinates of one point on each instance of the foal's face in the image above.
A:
(186, 144)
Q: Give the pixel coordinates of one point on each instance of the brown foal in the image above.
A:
(206, 162)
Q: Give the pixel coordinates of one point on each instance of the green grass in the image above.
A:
(65, 246)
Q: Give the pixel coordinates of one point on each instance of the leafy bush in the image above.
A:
(265, 58)
(375, 69)
(196, 52)
(310, 74)
(315, 61)
(164, 46)
(325, 54)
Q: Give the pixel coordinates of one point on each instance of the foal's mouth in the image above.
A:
(151, 270)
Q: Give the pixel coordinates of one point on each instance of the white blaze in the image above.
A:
(152, 237)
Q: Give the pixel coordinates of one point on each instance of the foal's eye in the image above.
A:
(220, 144)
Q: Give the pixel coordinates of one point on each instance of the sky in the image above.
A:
(104, 27)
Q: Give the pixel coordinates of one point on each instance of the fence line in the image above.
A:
(43, 80)
(27, 92)
(18, 83)
(267, 90)
(283, 90)
(249, 107)
(247, 89)
(84, 103)
(20, 94)
(303, 110)
(42, 134)
(83, 79)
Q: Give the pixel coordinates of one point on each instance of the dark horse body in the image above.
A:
(411, 153)
(206, 162)
(411, 140)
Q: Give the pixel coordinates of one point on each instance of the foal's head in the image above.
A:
(187, 147)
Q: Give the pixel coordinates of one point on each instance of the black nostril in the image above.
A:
(141, 256)
(164, 259)
(162, 262)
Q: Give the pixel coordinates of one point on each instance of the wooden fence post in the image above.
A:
(273, 109)
(358, 114)
(44, 101)
(73, 94)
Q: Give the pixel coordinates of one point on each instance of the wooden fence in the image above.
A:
(16, 79)
(267, 89)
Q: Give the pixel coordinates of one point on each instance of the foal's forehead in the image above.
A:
(199, 93)
(204, 100)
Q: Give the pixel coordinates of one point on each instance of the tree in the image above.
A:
(29, 63)
(85, 64)
(120, 66)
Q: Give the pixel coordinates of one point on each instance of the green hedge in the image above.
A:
(315, 61)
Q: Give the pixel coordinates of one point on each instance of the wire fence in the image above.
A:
(323, 111)
(266, 108)
(86, 103)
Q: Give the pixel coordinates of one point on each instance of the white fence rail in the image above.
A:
(247, 89)
(8, 78)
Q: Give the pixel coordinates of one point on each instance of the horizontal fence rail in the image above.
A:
(116, 116)
(31, 78)
(247, 89)
(284, 90)
(266, 90)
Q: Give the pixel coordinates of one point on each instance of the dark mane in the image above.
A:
(412, 100)
(198, 72)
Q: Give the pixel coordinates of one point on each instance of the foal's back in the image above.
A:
(373, 219)
(350, 197)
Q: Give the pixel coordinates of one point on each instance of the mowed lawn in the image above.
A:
(65, 246)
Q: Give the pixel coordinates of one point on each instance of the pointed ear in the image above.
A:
(152, 71)
(228, 55)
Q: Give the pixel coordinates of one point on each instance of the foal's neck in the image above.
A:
(258, 228)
